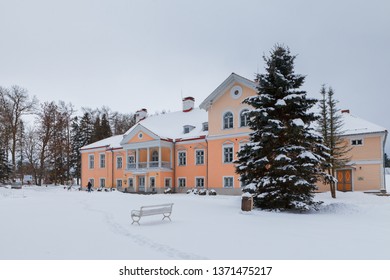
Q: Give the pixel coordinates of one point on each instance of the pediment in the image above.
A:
(233, 84)
(139, 134)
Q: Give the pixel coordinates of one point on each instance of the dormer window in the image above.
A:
(188, 128)
(205, 126)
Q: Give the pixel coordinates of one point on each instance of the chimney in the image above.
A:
(188, 103)
(141, 115)
(345, 111)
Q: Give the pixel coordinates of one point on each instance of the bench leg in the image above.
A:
(167, 216)
(135, 220)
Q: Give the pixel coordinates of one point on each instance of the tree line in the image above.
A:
(48, 147)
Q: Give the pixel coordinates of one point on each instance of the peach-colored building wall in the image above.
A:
(109, 172)
(370, 150)
(224, 104)
(191, 170)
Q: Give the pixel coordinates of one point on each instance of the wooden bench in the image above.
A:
(162, 209)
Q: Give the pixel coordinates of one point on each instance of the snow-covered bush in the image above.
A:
(202, 192)
(212, 192)
(168, 190)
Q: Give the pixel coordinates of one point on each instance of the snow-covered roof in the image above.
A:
(355, 125)
(171, 125)
(110, 142)
(233, 78)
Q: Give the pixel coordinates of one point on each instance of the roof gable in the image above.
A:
(219, 91)
(139, 133)
(171, 126)
(354, 125)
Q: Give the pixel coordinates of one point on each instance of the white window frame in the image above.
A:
(226, 146)
(102, 179)
(179, 159)
(168, 179)
(155, 157)
(119, 183)
(228, 124)
(130, 161)
(132, 182)
(117, 162)
(178, 182)
(242, 116)
(150, 181)
(196, 156)
(102, 160)
(196, 182)
(91, 159)
(232, 181)
(356, 142)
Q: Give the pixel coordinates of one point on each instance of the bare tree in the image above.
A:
(15, 102)
(46, 123)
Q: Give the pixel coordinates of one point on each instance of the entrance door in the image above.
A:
(141, 183)
(344, 178)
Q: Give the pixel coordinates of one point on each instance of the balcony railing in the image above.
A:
(152, 164)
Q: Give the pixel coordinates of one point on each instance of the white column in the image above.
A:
(147, 158)
(159, 156)
(171, 154)
(137, 158)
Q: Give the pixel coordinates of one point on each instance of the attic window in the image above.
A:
(205, 126)
(357, 142)
(188, 128)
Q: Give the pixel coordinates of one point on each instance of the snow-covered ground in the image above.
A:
(53, 223)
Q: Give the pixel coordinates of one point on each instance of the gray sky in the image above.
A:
(128, 54)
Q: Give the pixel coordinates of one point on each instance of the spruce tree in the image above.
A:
(284, 159)
(105, 128)
(330, 125)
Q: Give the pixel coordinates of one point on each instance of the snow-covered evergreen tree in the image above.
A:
(5, 169)
(285, 157)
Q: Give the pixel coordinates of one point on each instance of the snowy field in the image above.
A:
(51, 223)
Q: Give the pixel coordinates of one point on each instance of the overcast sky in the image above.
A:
(128, 54)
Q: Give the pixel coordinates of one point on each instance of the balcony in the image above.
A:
(152, 164)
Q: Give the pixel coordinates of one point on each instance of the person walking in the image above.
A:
(89, 186)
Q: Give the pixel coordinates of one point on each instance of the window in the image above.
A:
(188, 128)
(205, 126)
(228, 182)
(119, 183)
(228, 154)
(152, 182)
(228, 120)
(91, 161)
(242, 145)
(119, 162)
(92, 182)
(199, 182)
(167, 182)
(244, 118)
(130, 162)
(102, 182)
(182, 158)
(155, 156)
(102, 160)
(357, 142)
(131, 182)
(199, 155)
(182, 182)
